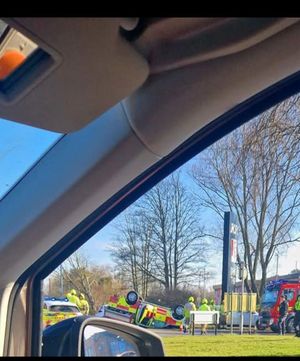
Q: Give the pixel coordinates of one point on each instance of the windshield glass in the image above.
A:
(62, 308)
(21, 146)
(269, 296)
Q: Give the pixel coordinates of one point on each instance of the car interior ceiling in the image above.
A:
(127, 99)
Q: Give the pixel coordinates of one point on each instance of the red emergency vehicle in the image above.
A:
(269, 308)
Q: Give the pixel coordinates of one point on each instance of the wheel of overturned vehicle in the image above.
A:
(127, 354)
(178, 312)
(132, 298)
(274, 328)
(290, 325)
(259, 326)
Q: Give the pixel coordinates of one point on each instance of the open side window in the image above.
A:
(137, 250)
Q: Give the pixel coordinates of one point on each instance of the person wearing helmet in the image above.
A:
(84, 305)
(72, 297)
(204, 307)
(188, 307)
(297, 316)
(212, 304)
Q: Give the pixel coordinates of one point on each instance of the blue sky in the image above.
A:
(22, 146)
(97, 248)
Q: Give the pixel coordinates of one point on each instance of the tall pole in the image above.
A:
(231, 311)
(204, 283)
(199, 287)
(242, 277)
(242, 298)
(226, 269)
(250, 312)
(277, 262)
(61, 281)
(230, 252)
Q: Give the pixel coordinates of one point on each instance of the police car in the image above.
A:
(58, 309)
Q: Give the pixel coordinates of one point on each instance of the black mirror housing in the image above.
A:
(69, 338)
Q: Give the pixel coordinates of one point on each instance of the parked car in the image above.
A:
(58, 309)
(131, 309)
(246, 319)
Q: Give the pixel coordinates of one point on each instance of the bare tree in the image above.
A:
(162, 239)
(97, 283)
(132, 252)
(79, 276)
(254, 172)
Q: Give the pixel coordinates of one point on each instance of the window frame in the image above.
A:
(106, 212)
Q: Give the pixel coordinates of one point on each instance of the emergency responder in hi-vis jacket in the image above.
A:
(84, 305)
(212, 304)
(188, 307)
(204, 307)
(297, 316)
(72, 297)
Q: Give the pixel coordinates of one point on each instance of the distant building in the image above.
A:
(238, 285)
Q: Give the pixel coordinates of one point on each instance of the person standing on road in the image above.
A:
(188, 307)
(212, 304)
(222, 320)
(84, 305)
(283, 312)
(204, 307)
(297, 316)
(72, 297)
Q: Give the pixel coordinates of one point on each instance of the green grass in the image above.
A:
(232, 345)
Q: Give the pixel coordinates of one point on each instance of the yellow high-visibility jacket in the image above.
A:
(204, 307)
(74, 299)
(84, 307)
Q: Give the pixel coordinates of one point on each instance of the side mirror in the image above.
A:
(93, 336)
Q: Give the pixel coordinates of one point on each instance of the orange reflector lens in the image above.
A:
(9, 62)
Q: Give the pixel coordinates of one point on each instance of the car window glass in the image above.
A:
(167, 247)
(289, 294)
(63, 309)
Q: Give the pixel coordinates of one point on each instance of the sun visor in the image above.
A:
(77, 69)
(171, 43)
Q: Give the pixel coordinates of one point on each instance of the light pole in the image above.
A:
(204, 283)
(203, 275)
(243, 275)
(277, 262)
